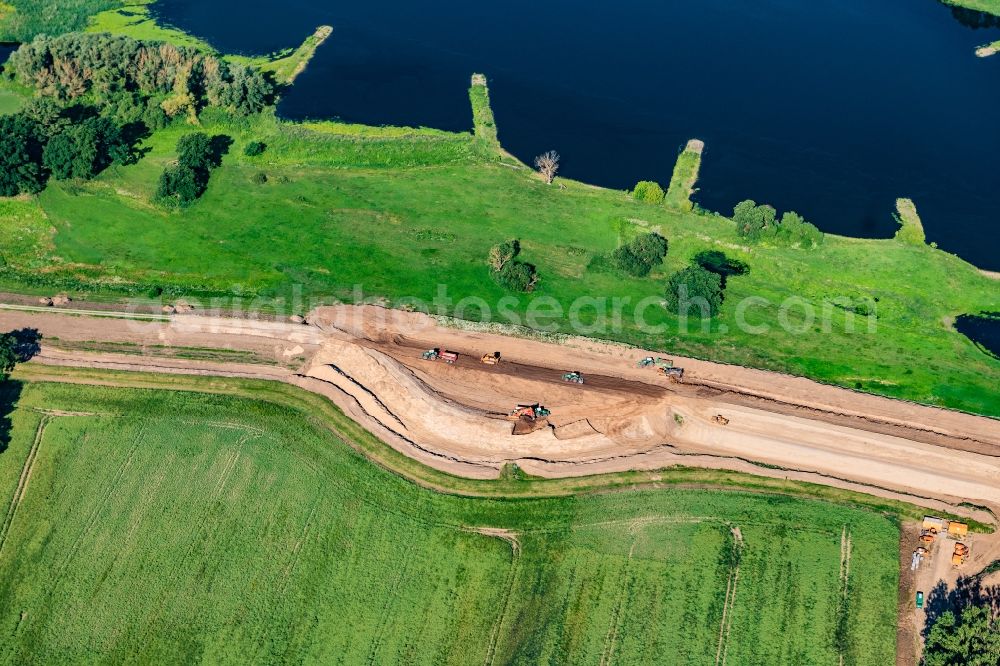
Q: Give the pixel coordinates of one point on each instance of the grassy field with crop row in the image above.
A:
(259, 535)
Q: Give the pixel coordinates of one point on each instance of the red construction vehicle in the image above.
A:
(438, 354)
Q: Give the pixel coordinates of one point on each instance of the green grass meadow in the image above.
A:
(258, 536)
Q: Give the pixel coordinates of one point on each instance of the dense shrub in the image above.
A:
(511, 274)
(639, 256)
(502, 253)
(694, 289)
(84, 150)
(179, 186)
(625, 260)
(21, 149)
(518, 276)
(45, 139)
(650, 248)
(254, 148)
(197, 155)
(794, 230)
(759, 223)
(649, 192)
(966, 635)
(752, 221)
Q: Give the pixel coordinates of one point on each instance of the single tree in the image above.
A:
(194, 151)
(8, 355)
(694, 288)
(518, 276)
(972, 637)
(547, 165)
(651, 248)
(502, 253)
(752, 221)
(58, 156)
(20, 156)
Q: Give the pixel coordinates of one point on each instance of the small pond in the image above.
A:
(983, 329)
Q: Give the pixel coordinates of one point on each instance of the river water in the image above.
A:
(832, 108)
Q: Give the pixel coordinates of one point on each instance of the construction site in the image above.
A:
(469, 401)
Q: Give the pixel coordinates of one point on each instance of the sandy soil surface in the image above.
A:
(629, 417)
(453, 417)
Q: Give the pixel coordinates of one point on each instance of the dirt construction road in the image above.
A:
(453, 417)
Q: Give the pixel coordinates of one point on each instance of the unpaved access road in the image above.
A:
(368, 361)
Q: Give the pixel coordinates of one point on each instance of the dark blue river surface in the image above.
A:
(832, 108)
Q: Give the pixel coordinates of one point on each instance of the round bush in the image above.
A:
(517, 276)
(648, 191)
(626, 260)
(254, 148)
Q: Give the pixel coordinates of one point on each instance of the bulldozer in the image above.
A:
(491, 359)
(438, 354)
(675, 374)
(720, 419)
(927, 537)
(573, 377)
(961, 552)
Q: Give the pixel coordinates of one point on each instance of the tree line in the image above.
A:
(100, 95)
(115, 70)
(44, 140)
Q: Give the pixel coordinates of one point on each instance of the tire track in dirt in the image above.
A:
(386, 614)
(508, 587)
(286, 576)
(845, 576)
(726, 625)
(624, 586)
(109, 492)
(408, 351)
(23, 480)
(229, 466)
